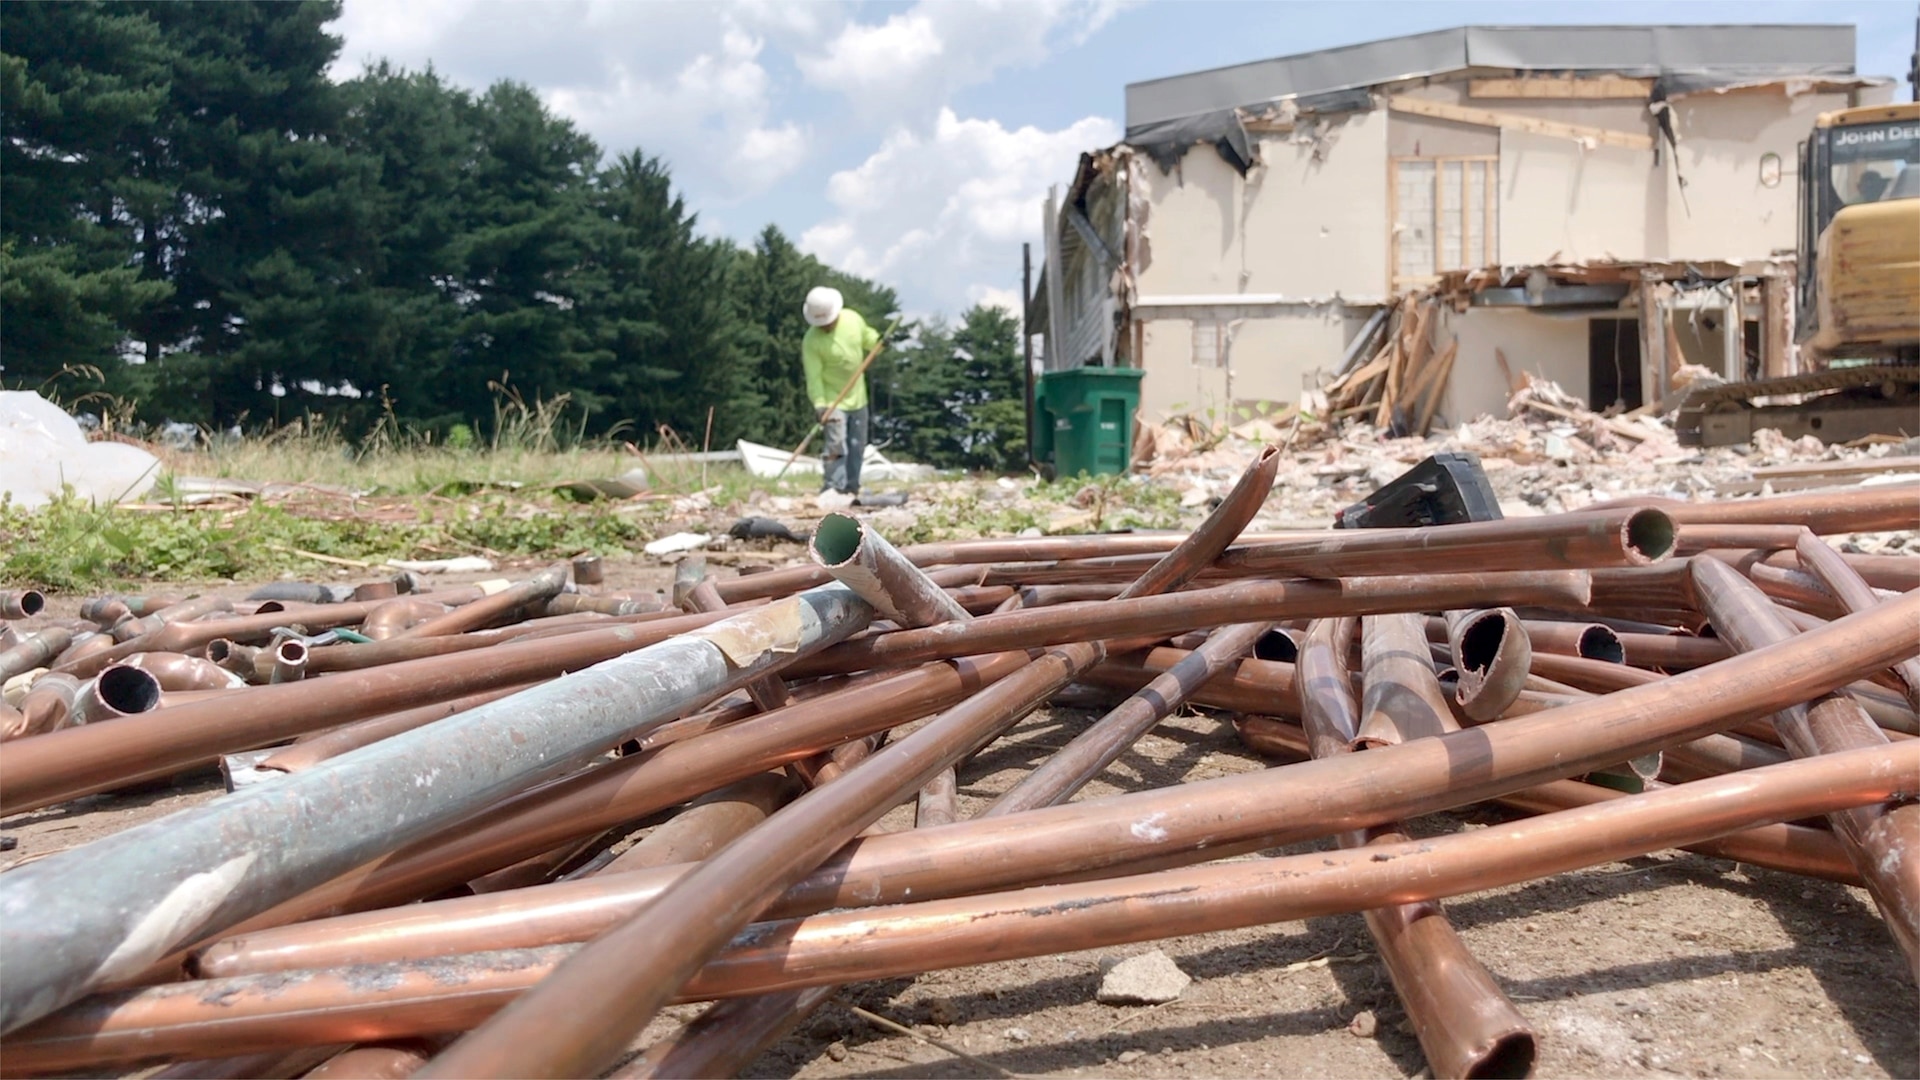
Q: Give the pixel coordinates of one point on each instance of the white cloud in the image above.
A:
(912, 63)
(941, 216)
(687, 82)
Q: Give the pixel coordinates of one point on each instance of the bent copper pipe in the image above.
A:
(1883, 841)
(48, 704)
(36, 650)
(1465, 1024)
(537, 589)
(105, 611)
(726, 1038)
(1206, 819)
(1402, 699)
(1493, 651)
(724, 893)
(1245, 601)
(184, 611)
(385, 1061)
(570, 603)
(1831, 571)
(114, 693)
(302, 755)
(398, 615)
(939, 801)
(1076, 764)
(21, 603)
(177, 671)
(406, 999)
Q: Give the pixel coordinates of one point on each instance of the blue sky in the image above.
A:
(913, 141)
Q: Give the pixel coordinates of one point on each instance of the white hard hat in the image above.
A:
(823, 305)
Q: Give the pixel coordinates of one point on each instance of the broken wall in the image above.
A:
(1266, 361)
(1549, 346)
(1727, 212)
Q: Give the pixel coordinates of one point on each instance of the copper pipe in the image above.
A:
(9, 637)
(266, 1065)
(184, 611)
(1595, 641)
(36, 650)
(21, 603)
(1245, 601)
(78, 762)
(537, 589)
(1089, 754)
(1714, 755)
(1049, 595)
(1630, 537)
(725, 892)
(105, 611)
(1794, 849)
(1882, 841)
(660, 625)
(588, 570)
(1266, 809)
(238, 659)
(449, 994)
(1670, 652)
(360, 806)
(376, 590)
(1758, 539)
(384, 1061)
(48, 704)
(191, 637)
(537, 870)
(1795, 588)
(1465, 1024)
(726, 1038)
(712, 822)
(863, 561)
(1403, 700)
(570, 603)
(116, 692)
(1221, 528)
(1899, 573)
(84, 647)
(635, 786)
(176, 671)
(311, 752)
(1879, 508)
(939, 801)
(1492, 650)
(399, 615)
(1831, 571)
(289, 662)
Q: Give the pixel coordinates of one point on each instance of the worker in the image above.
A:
(832, 353)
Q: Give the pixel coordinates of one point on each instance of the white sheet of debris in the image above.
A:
(43, 450)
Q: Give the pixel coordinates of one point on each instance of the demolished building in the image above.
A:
(1242, 243)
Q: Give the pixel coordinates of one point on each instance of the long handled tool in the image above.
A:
(820, 424)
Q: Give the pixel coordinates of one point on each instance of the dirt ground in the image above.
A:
(1672, 964)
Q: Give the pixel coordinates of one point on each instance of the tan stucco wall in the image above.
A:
(1547, 345)
(1301, 228)
(1563, 202)
(1269, 360)
(1727, 213)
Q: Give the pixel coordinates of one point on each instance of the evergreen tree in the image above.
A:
(79, 82)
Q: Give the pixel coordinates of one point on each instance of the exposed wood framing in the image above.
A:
(1561, 87)
(1653, 341)
(1776, 324)
(1511, 122)
(1475, 249)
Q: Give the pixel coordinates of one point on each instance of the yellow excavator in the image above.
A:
(1857, 310)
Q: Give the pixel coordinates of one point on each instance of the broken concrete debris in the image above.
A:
(1150, 978)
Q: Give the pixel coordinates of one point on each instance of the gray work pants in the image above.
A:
(846, 444)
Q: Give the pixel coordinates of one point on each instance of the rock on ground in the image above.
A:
(1151, 978)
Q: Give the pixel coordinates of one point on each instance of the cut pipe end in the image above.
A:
(1511, 1057)
(837, 540)
(1599, 642)
(1650, 535)
(1277, 645)
(128, 690)
(23, 604)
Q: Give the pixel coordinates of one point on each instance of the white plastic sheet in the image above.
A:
(42, 450)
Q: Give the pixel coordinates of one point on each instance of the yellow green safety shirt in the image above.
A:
(832, 356)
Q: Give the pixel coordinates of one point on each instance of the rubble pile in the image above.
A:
(494, 829)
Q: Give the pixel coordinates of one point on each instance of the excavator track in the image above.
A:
(1852, 402)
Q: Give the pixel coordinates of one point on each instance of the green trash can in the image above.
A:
(1085, 421)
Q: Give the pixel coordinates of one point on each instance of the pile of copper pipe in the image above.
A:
(1771, 675)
